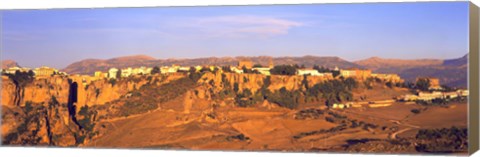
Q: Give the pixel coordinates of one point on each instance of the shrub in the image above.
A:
(284, 70)
(422, 84)
(155, 70)
(22, 78)
(442, 140)
(112, 81)
(416, 111)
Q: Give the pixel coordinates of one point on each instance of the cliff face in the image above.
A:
(213, 83)
(254, 82)
(39, 124)
(39, 91)
(8, 91)
(102, 91)
(44, 111)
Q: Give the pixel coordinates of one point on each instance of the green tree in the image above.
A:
(284, 70)
(350, 83)
(422, 84)
(155, 70)
(22, 78)
(235, 87)
(194, 75)
(119, 74)
(226, 69)
(389, 84)
(257, 65)
(305, 82)
(335, 73)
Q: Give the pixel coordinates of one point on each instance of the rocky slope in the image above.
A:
(47, 123)
(54, 111)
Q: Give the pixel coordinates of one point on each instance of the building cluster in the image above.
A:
(313, 72)
(248, 64)
(364, 74)
(359, 74)
(371, 104)
(40, 72)
(125, 72)
(427, 96)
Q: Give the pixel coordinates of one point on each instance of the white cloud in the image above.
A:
(240, 26)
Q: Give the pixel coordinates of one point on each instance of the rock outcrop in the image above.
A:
(39, 124)
(215, 82)
(39, 91)
(42, 90)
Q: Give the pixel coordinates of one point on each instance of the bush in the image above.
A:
(389, 84)
(86, 122)
(226, 69)
(28, 107)
(422, 84)
(112, 81)
(155, 70)
(333, 91)
(442, 140)
(416, 111)
(283, 70)
(22, 78)
(285, 98)
(325, 70)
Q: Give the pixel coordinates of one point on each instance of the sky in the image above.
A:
(59, 37)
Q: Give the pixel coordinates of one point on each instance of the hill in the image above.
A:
(452, 72)
(89, 66)
(457, 62)
(8, 64)
(376, 63)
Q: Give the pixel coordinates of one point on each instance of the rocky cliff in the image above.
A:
(256, 81)
(50, 111)
(215, 82)
(39, 91)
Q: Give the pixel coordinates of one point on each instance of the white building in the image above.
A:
(166, 69)
(462, 92)
(140, 71)
(184, 69)
(264, 71)
(112, 73)
(236, 70)
(12, 70)
(312, 72)
(126, 72)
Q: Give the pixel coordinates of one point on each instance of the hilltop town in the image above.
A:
(247, 66)
(248, 106)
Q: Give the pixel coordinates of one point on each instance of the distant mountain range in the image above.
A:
(89, 66)
(452, 72)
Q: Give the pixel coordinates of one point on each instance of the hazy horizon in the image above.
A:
(59, 37)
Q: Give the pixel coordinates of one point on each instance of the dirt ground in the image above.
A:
(261, 129)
